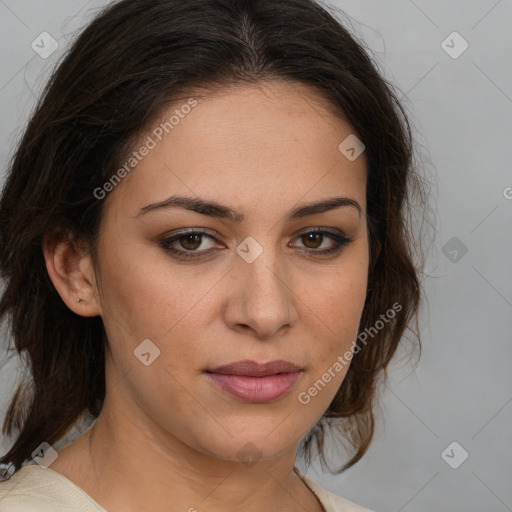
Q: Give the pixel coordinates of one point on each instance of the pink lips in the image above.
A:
(254, 382)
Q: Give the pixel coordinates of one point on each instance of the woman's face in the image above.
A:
(257, 288)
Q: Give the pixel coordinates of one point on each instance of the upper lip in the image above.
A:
(255, 369)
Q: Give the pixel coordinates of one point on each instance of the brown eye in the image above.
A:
(315, 239)
(312, 241)
(190, 242)
(194, 243)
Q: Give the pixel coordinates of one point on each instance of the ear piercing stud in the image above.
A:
(80, 299)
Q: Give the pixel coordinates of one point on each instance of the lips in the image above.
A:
(254, 369)
(254, 382)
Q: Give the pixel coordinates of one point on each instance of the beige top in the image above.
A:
(36, 489)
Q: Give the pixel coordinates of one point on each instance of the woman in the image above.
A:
(205, 247)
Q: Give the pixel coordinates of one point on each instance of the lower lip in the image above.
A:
(255, 389)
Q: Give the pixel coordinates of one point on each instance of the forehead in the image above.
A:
(275, 141)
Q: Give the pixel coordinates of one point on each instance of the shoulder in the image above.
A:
(34, 488)
(331, 501)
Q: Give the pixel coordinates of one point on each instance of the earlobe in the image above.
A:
(72, 273)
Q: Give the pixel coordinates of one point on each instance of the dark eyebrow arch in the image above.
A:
(217, 210)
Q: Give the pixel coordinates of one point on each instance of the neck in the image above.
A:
(138, 468)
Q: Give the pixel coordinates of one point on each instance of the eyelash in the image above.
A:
(340, 240)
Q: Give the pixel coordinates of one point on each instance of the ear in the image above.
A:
(72, 273)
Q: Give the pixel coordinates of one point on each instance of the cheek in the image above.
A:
(145, 293)
(336, 307)
(338, 300)
(146, 302)
(171, 308)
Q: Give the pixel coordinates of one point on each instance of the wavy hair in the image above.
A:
(134, 59)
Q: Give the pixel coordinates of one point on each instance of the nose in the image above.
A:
(261, 298)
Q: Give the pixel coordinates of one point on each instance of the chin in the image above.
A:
(250, 449)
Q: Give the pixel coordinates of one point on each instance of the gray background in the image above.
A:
(461, 391)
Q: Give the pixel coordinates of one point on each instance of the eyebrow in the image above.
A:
(217, 210)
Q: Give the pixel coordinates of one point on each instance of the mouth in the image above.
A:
(255, 369)
(255, 382)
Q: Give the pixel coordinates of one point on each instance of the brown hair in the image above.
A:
(131, 61)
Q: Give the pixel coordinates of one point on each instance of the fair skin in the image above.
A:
(166, 438)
